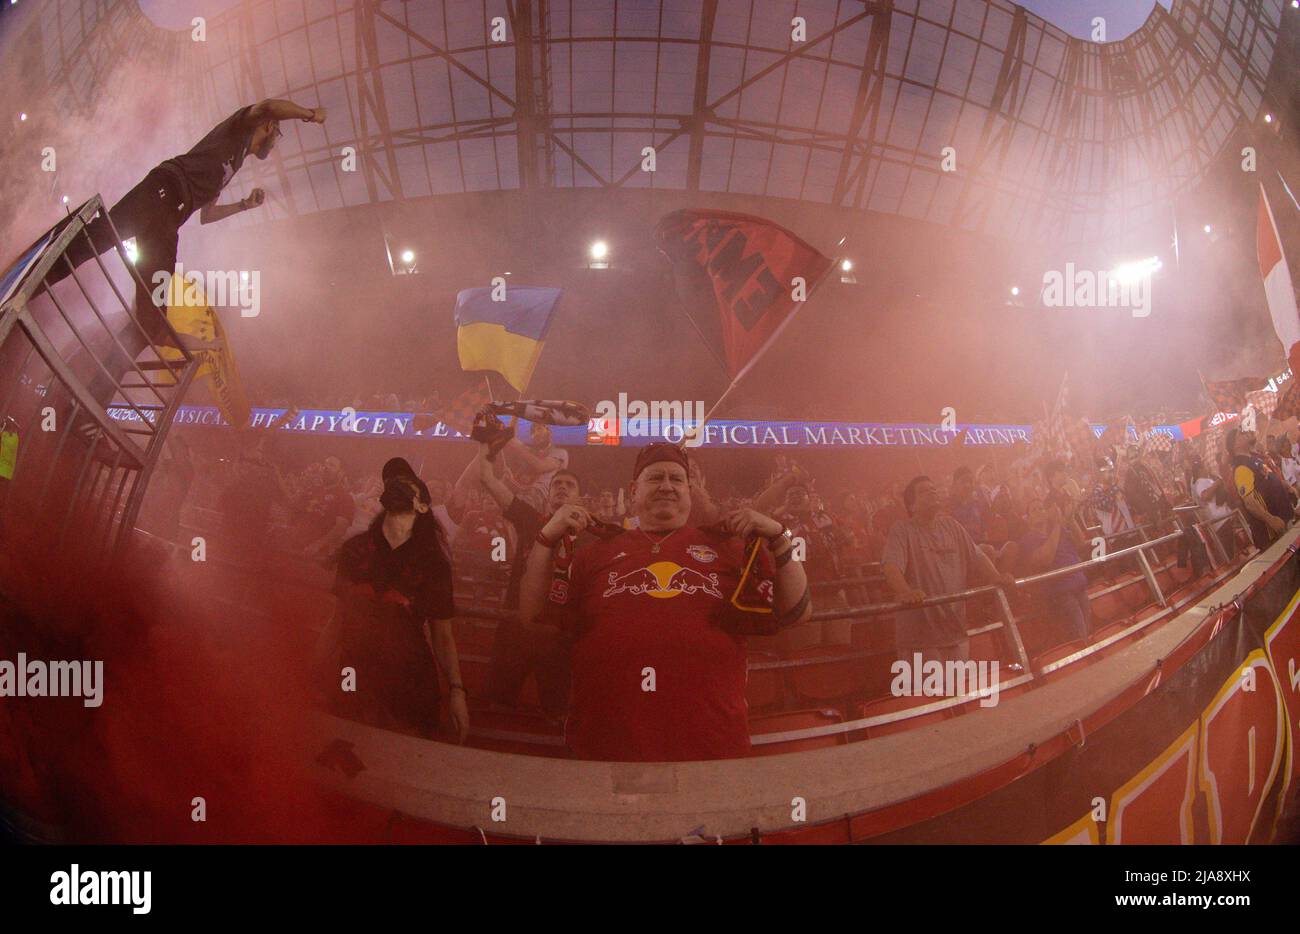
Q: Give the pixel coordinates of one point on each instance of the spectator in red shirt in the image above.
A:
(658, 650)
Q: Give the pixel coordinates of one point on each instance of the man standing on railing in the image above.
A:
(153, 212)
(928, 555)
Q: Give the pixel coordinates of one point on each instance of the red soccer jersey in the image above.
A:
(631, 610)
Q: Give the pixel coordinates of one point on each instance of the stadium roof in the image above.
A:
(1053, 136)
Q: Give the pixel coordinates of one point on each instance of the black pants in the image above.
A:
(152, 212)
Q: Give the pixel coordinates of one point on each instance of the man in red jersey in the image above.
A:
(656, 618)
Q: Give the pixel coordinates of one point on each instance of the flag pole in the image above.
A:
(1287, 189)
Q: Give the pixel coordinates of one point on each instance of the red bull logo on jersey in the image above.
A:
(702, 553)
(663, 579)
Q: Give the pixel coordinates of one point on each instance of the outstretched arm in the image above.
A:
(273, 109)
(212, 212)
(488, 478)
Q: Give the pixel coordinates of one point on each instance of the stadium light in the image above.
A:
(65, 199)
(1131, 272)
(408, 257)
(1268, 118)
(599, 250)
(1208, 228)
(847, 265)
(1015, 290)
(23, 115)
(132, 250)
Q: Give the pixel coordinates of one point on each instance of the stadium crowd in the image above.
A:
(519, 530)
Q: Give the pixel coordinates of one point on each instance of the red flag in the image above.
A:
(1162, 441)
(1278, 290)
(1264, 401)
(745, 268)
(458, 415)
(1288, 402)
(1229, 395)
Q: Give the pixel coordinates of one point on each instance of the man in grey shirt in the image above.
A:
(928, 555)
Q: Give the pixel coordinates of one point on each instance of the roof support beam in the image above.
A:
(699, 109)
(870, 88)
(370, 96)
(526, 138)
(999, 121)
(251, 68)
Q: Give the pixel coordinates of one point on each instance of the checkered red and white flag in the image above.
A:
(1264, 401)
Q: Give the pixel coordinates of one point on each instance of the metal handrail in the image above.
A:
(1137, 529)
(1093, 562)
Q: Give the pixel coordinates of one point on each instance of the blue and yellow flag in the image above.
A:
(505, 335)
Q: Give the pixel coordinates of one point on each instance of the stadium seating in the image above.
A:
(836, 675)
(764, 687)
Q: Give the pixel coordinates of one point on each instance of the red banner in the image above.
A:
(755, 276)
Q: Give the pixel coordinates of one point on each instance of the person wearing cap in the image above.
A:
(394, 586)
(656, 618)
(446, 508)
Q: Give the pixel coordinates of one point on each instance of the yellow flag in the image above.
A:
(189, 314)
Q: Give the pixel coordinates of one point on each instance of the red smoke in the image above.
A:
(197, 702)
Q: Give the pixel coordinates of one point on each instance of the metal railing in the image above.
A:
(70, 355)
(1028, 675)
